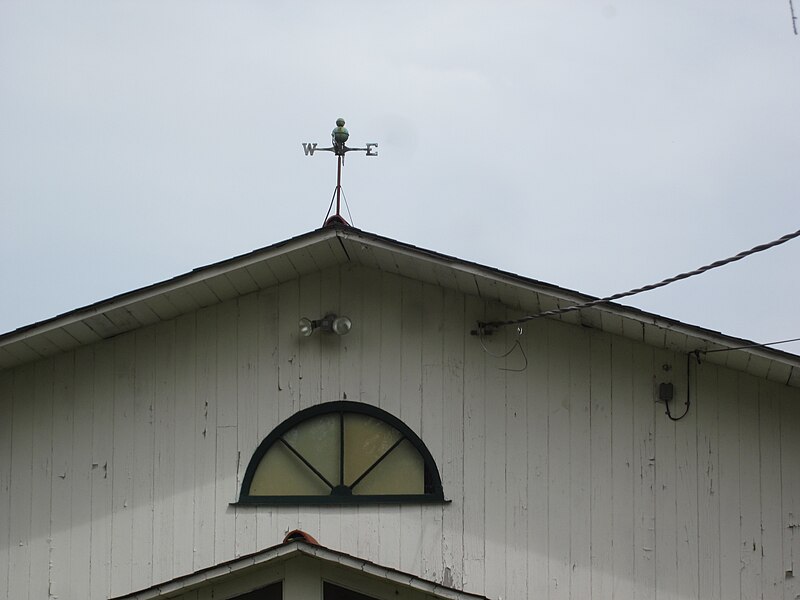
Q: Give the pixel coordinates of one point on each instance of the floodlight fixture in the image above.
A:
(330, 323)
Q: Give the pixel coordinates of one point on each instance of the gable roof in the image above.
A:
(335, 245)
(240, 566)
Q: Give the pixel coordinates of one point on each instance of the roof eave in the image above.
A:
(339, 244)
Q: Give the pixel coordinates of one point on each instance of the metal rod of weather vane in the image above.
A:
(339, 187)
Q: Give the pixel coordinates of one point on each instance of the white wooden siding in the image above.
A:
(119, 461)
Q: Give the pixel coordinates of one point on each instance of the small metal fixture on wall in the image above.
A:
(666, 390)
(329, 323)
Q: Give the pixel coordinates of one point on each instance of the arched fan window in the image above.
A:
(341, 453)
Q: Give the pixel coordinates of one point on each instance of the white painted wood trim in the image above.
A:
(288, 550)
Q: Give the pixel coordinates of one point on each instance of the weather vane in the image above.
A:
(339, 136)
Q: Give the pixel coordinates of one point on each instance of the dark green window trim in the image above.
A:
(340, 493)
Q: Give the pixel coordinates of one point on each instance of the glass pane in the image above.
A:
(401, 472)
(281, 473)
(318, 441)
(365, 440)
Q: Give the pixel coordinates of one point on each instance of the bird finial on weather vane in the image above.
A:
(339, 137)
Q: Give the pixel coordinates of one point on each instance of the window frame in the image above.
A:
(433, 482)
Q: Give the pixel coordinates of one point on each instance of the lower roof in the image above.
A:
(240, 566)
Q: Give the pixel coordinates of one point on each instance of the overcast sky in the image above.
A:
(596, 145)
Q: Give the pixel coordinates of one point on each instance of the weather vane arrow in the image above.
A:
(339, 137)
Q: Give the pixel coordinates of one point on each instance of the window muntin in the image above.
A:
(340, 453)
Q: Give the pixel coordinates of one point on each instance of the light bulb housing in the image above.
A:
(306, 327)
(342, 325)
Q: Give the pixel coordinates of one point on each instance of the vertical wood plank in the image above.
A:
(772, 574)
(390, 401)
(644, 472)
(143, 459)
(285, 518)
(205, 438)
(288, 342)
(41, 496)
(227, 375)
(432, 425)
(121, 466)
(580, 461)
(103, 421)
(330, 375)
(516, 493)
(226, 371)
(330, 527)
(686, 453)
(495, 405)
(790, 491)
(186, 415)
(390, 350)
(729, 513)
(371, 316)
(666, 478)
(601, 467)
(536, 344)
(622, 463)
(224, 494)
(451, 466)
(268, 390)
(165, 430)
(309, 350)
(411, 412)
(558, 417)
(81, 501)
(6, 438)
(707, 407)
(21, 478)
(247, 413)
(474, 451)
(60, 509)
(349, 349)
(749, 488)
(666, 372)
(312, 306)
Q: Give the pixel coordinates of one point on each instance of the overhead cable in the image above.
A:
(719, 263)
(764, 345)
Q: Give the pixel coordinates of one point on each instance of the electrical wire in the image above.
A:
(688, 389)
(514, 346)
(714, 265)
(749, 346)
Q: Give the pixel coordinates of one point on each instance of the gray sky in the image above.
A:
(596, 145)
